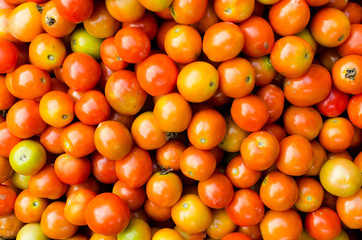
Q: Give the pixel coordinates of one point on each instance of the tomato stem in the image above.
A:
(39, 8)
(351, 73)
(164, 170)
(50, 21)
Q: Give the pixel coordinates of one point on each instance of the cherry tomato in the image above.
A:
(133, 44)
(25, 21)
(7, 200)
(188, 12)
(136, 229)
(71, 170)
(164, 188)
(29, 208)
(352, 46)
(110, 56)
(250, 113)
(103, 169)
(230, 74)
(56, 108)
(169, 154)
(157, 213)
(146, 23)
(191, 214)
(81, 72)
(10, 226)
(220, 224)
(289, 17)
(223, 41)
(352, 11)
(23, 119)
(76, 204)
(5, 169)
(9, 55)
(240, 175)
(236, 235)
(120, 10)
(73, 10)
(233, 10)
(323, 223)
(246, 208)
(347, 75)
(167, 233)
(340, 177)
(284, 224)
(54, 224)
(77, 139)
(7, 140)
(124, 93)
(334, 104)
(46, 184)
(310, 194)
(354, 110)
(264, 71)
(330, 27)
(349, 210)
(183, 44)
(233, 136)
(274, 99)
(133, 197)
(30, 82)
(291, 56)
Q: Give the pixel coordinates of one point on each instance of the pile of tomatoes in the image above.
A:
(180, 119)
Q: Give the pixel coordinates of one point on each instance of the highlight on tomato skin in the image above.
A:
(180, 119)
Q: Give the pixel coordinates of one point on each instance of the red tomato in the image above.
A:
(81, 72)
(157, 74)
(334, 104)
(103, 169)
(71, 170)
(246, 208)
(9, 55)
(323, 223)
(133, 44)
(74, 10)
(107, 214)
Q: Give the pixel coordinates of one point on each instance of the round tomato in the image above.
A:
(310, 194)
(74, 11)
(7, 200)
(349, 209)
(323, 223)
(107, 214)
(220, 224)
(274, 99)
(72, 170)
(347, 74)
(188, 12)
(29, 208)
(354, 110)
(334, 104)
(136, 229)
(9, 55)
(233, 10)
(54, 224)
(340, 177)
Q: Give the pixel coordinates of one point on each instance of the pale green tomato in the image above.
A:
(136, 229)
(340, 177)
(82, 41)
(27, 157)
(20, 181)
(31, 231)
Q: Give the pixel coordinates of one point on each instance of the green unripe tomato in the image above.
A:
(82, 41)
(136, 229)
(20, 181)
(27, 157)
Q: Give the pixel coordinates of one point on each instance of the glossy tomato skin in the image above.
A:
(347, 75)
(74, 11)
(289, 17)
(354, 110)
(6, 99)
(124, 93)
(330, 27)
(157, 74)
(219, 49)
(114, 217)
(7, 140)
(7, 200)
(240, 175)
(77, 139)
(250, 113)
(194, 13)
(284, 224)
(334, 104)
(133, 197)
(278, 191)
(23, 119)
(120, 10)
(352, 45)
(310, 88)
(8, 56)
(133, 44)
(81, 72)
(233, 10)
(71, 170)
(246, 208)
(340, 177)
(323, 223)
(54, 224)
(291, 56)
(310, 194)
(349, 210)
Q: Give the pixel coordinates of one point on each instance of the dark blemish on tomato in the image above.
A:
(64, 116)
(351, 73)
(248, 78)
(340, 38)
(50, 21)
(211, 84)
(42, 80)
(266, 45)
(39, 8)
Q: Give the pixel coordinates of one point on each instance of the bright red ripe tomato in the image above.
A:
(133, 44)
(71, 170)
(77, 139)
(23, 119)
(107, 214)
(135, 168)
(9, 55)
(103, 169)
(334, 104)
(92, 108)
(258, 36)
(323, 224)
(250, 113)
(157, 74)
(74, 10)
(246, 208)
(81, 72)
(216, 191)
